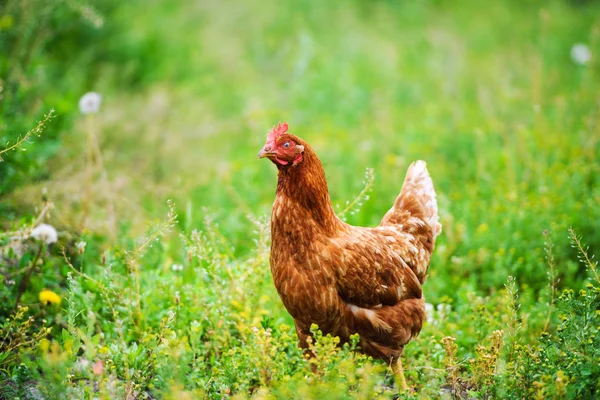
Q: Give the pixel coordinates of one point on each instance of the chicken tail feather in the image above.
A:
(417, 199)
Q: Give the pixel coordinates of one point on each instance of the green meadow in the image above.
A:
(157, 284)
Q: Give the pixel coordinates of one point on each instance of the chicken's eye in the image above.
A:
(286, 145)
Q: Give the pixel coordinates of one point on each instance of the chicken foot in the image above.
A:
(399, 374)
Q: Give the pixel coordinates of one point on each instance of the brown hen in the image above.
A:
(349, 279)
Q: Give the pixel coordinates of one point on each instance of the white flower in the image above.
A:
(581, 54)
(443, 310)
(45, 233)
(177, 267)
(429, 309)
(80, 246)
(90, 103)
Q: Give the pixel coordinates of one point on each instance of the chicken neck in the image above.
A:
(302, 197)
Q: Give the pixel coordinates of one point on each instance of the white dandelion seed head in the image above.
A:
(429, 309)
(177, 267)
(443, 310)
(581, 54)
(80, 246)
(45, 233)
(90, 103)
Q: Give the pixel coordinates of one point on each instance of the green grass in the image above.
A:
(487, 94)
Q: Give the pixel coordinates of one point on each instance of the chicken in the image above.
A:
(349, 279)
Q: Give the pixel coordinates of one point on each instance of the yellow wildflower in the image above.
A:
(49, 297)
(482, 228)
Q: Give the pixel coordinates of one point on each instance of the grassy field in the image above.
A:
(162, 209)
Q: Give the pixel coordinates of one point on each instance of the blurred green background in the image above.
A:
(495, 96)
(488, 94)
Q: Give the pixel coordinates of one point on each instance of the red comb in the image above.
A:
(278, 130)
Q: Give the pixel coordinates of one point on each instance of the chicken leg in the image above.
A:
(399, 374)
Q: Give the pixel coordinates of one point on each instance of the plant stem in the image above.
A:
(369, 178)
(25, 281)
(583, 253)
(39, 128)
(552, 275)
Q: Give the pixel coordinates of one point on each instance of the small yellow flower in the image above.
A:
(49, 297)
(483, 228)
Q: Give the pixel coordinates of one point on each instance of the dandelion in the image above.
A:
(581, 54)
(45, 233)
(443, 310)
(90, 103)
(80, 246)
(429, 309)
(177, 267)
(49, 297)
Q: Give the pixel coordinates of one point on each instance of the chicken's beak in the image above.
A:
(264, 152)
